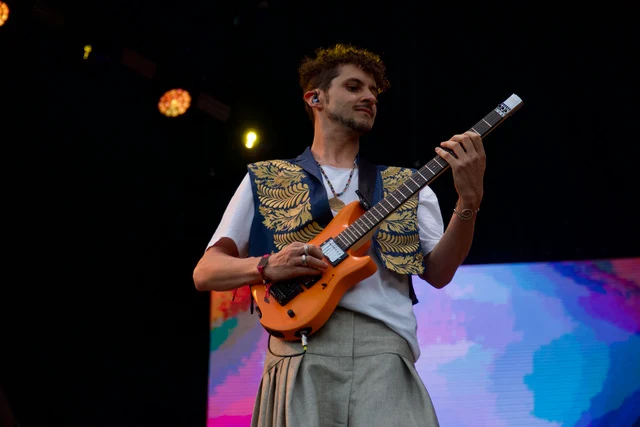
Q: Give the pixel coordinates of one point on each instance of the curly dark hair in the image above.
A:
(318, 72)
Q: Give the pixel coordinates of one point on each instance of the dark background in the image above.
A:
(110, 204)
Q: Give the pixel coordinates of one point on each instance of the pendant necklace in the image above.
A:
(335, 203)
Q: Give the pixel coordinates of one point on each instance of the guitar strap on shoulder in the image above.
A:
(368, 174)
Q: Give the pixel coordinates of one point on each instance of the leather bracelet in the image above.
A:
(261, 265)
(465, 214)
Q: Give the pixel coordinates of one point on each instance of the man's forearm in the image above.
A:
(220, 269)
(443, 261)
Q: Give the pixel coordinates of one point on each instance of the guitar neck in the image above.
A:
(371, 219)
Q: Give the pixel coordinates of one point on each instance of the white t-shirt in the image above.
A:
(385, 294)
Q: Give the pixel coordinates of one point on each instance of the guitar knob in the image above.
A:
(291, 313)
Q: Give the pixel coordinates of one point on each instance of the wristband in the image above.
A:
(261, 265)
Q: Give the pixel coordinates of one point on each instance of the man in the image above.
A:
(359, 367)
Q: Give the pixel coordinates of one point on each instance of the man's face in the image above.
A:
(352, 99)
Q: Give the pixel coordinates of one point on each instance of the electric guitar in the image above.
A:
(297, 308)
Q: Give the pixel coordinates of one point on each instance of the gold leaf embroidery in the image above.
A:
(307, 233)
(284, 199)
(404, 220)
(406, 264)
(277, 173)
(285, 219)
(401, 220)
(391, 243)
(398, 233)
(394, 176)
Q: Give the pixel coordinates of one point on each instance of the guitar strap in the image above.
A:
(368, 174)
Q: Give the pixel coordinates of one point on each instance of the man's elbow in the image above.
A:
(440, 284)
(199, 281)
(437, 281)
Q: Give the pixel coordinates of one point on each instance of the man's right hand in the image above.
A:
(295, 260)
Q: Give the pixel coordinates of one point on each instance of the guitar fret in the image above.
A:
(366, 217)
(362, 229)
(362, 225)
(438, 162)
(374, 213)
(345, 236)
(406, 184)
(353, 236)
(484, 125)
(422, 176)
(494, 117)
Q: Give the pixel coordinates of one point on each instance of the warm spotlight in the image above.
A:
(250, 139)
(4, 12)
(174, 102)
(87, 51)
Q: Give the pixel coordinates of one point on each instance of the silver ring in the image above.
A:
(306, 249)
(304, 260)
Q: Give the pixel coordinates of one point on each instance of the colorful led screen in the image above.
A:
(531, 344)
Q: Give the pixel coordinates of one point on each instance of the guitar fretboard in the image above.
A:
(421, 178)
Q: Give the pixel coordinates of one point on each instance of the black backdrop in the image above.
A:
(110, 204)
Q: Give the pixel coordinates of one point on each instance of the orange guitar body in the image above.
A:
(308, 311)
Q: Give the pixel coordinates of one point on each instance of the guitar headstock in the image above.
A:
(509, 106)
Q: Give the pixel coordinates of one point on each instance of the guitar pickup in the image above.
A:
(333, 252)
(287, 290)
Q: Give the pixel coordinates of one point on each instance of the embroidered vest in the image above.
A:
(291, 205)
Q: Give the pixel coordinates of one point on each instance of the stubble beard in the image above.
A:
(360, 127)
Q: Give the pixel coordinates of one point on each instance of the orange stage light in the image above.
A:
(174, 102)
(4, 12)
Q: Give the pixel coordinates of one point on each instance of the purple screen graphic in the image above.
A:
(532, 344)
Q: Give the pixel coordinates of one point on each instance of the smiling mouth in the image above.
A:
(365, 110)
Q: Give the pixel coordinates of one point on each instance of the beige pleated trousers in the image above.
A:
(356, 372)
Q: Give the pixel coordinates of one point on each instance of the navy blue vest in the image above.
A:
(291, 205)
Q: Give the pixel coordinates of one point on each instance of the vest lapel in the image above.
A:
(307, 162)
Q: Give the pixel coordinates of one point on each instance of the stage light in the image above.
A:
(250, 139)
(87, 51)
(174, 102)
(4, 12)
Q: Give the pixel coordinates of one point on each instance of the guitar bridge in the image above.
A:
(286, 290)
